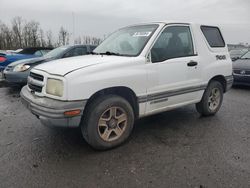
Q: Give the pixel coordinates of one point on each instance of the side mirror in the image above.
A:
(148, 58)
(235, 58)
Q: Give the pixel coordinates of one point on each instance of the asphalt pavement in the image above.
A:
(172, 149)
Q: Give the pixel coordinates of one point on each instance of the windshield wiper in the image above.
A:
(107, 53)
(111, 53)
(245, 58)
(94, 53)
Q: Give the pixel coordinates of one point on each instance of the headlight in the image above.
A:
(54, 87)
(21, 68)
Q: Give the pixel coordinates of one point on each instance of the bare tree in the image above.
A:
(78, 40)
(96, 41)
(42, 39)
(34, 27)
(6, 37)
(88, 40)
(21, 33)
(26, 35)
(49, 37)
(17, 27)
(2, 38)
(63, 37)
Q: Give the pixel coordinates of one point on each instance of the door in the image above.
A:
(174, 72)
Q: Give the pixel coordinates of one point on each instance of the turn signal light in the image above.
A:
(72, 113)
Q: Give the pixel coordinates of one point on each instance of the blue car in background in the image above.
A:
(17, 72)
(27, 53)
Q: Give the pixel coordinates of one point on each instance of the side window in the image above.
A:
(76, 52)
(80, 51)
(213, 36)
(174, 42)
(68, 54)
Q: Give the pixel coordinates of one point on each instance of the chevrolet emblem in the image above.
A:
(243, 72)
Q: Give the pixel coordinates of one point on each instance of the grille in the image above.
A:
(35, 88)
(35, 84)
(36, 76)
(9, 68)
(247, 72)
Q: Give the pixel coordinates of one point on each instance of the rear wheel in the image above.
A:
(108, 122)
(211, 100)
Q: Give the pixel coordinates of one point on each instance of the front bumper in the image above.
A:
(15, 77)
(241, 79)
(1, 76)
(2, 68)
(50, 111)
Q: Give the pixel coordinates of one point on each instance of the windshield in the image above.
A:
(56, 52)
(128, 41)
(246, 56)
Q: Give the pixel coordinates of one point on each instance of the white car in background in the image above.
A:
(237, 54)
(138, 71)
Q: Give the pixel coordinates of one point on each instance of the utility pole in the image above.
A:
(73, 19)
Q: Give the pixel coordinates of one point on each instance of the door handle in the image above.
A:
(192, 64)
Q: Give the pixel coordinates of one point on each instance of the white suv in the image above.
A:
(137, 71)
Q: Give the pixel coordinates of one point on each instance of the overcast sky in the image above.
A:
(99, 17)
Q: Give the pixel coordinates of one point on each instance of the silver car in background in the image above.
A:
(17, 72)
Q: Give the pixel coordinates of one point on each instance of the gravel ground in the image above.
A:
(173, 149)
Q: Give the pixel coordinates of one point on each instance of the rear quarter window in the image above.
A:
(213, 36)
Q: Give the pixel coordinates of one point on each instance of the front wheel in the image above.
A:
(108, 123)
(211, 100)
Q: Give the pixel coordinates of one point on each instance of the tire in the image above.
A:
(108, 122)
(211, 103)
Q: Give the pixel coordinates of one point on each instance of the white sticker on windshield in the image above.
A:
(142, 34)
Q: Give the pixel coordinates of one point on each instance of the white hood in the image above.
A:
(64, 66)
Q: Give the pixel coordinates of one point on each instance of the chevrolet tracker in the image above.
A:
(137, 71)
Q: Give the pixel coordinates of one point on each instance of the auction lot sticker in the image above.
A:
(142, 34)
